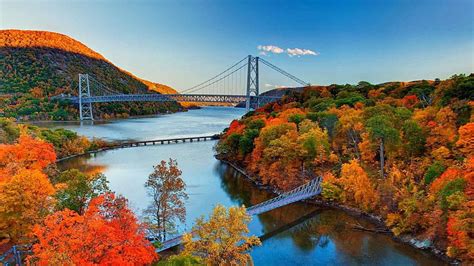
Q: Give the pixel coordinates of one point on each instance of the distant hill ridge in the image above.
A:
(35, 65)
(32, 38)
(47, 39)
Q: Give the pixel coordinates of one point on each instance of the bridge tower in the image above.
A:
(85, 108)
(252, 83)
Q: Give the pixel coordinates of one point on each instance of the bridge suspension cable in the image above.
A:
(218, 80)
(219, 77)
(101, 89)
(283, 72)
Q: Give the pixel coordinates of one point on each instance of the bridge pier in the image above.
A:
(252, 82)
(85, 106)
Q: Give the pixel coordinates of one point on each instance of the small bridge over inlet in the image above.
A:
(237, 84)
(306, 191)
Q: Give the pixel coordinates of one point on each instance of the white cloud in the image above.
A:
(299, 52)
(267, 85)
(267, 49)
(270, 49)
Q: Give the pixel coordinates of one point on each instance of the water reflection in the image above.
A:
(312, 231)
(83, 164)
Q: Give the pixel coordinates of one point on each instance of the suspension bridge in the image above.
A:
(306, 191)
(237, 84)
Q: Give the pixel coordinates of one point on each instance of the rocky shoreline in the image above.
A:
(420, 244)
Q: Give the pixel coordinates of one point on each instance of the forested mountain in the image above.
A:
(36, 65)
(403, 151)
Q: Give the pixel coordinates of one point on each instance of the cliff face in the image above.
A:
(36, 65)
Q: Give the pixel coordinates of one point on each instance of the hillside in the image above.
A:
(403, 151)
(36, 65)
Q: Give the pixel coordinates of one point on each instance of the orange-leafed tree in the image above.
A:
(107, 234)
(25, 199)
(466, 139)
(167, 190)
(28, 153)
(357, 186)
(410, 101)
(459, 229)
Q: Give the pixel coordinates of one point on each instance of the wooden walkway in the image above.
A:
(141, 143)
(163, 141)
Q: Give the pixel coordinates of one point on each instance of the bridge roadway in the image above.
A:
(213, 98)
(308, 190)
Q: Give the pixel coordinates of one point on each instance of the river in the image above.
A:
(323, 237)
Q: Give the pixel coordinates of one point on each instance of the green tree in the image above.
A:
(181, 260)
(77, 189)
(246, 141)
(382, 130)
(434, 171)
(414, 138)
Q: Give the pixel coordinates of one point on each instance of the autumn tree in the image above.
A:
(422, 131)
(107, 234)
(25, 200)
(357, 186)
(222, 240)
(466, 139)
(9, 131)
(315, 145)
(76, 189)
(349, 128)
(167, 190)
(28, 153)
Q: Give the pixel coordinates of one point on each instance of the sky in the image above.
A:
(180, 43)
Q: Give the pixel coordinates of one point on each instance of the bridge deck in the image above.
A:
(218, 98)
(305, 191)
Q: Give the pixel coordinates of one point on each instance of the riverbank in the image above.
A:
(377, 221)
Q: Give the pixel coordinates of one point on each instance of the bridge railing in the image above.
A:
(308, 190)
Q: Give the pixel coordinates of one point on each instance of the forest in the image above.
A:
(37, 65)
(403, 151)
(69, 217)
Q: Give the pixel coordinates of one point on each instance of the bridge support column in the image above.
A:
(252, 83)
(85, 106)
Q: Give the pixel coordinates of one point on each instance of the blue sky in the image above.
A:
(181, 43)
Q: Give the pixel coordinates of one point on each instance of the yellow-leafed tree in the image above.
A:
(222, 240)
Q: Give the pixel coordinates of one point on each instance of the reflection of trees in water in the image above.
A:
(321, 229)
(83, 164)
(326, 226)
(334, 226)
(329, 226)
(238, 188)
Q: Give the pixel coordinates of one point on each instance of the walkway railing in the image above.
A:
(15, 255)
(305, 191)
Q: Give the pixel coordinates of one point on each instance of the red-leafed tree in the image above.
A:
(107, 234)
(28, 153)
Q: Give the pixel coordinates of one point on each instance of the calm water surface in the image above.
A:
(298, 234)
